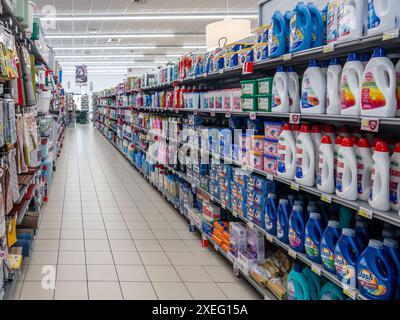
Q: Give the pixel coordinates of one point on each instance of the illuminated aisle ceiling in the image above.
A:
(133, 32)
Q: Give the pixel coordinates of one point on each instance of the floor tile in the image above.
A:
(162, 274)
(95, 234)
(122, 245)
(138, 291)
(126, 258)
(71, 257)
(72, 245)
(46, 245)
(141, 234)
(71, 273)
(101, 273)
(205, 291)
(44, 257)
(34, 291)
(104, 291)
(171, 291)
(48, 234)
(166, 234)
(99, 257)
(222, 273)
(182, 259)
(71, 291)
(97, 245)
(193, 274)
(118, 234)
(148, 245)
(131, 273)
(72, 234)
(154, 258)
(174, 245)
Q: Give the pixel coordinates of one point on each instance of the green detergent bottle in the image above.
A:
(314, 283)
(346, 218)
(331, 291)
(297, 285)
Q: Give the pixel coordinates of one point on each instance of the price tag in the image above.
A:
(294, 118)
(292, 253)
(250, 225)
(211, 198)
(326, 198)
(221, 71)
(269, 238)
(216, 247)
(194, 78)
(253, 116)
(228, 114)
(366, 213)
(205, 74)
(316, 269)
(270, 177)
(389, 35)
(294, 186)
(234, 214)
(329, 48)
(287, 57)
(212, 113)
(349, 292)
(370, 124)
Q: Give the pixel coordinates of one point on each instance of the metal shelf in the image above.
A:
(9, 286)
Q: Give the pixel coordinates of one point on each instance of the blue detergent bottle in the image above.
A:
(347, 251)
(325, 20)
(312, 242)
(282, 223)
(323, 211)
(292, 199)
(300, 28)
(297, 229)
(331, 292)
(277, 36)
(329, 239)
(314, 283)
(297, 285)
(271, 213)
(392, 249)
(288, 17)
(318, 28)
(375, 272)
(362, 232)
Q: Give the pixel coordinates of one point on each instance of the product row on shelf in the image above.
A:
(31, 136)
(317, 234)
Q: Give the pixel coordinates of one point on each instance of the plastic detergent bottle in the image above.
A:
(277, 36)
(397, 69)
(347, 251)
(325, 174)
(312, 242)
(282, 223)
(329, 239)
(380, 177)
(346, 217)
(317, 35)
(314, 283)
(375, 272)
(346, 172)
(288, 17)
(297, 229)
(291, 199)
(313, 89)
(280, 93)
(395, 179)
(378, 94)
(300, 28)
(362, 232)
(286, 153)
(305, 157)
(350, 86)
(296, 130)
(336, 148)
(331, 292)
(365, 57)
(329, 130)
(297, 285)
(332, 21)
(392, 249)
(364, 168)
(324, 64)
(381, 16)
(293, 90)
(271, 214)
(316, 137)
(351, 19)
(334, 77)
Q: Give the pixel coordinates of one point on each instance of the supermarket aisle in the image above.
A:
(110, 235)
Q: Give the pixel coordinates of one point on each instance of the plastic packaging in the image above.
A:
(300, 28)
(305, 158)
(316, 137)
(297, 285)
(286, 154)
(313, 90)
(334, 76)
(346, 172)
(381, 16)
(297, 229)
(294, 90)
(271, 214)
(395, 179)
(351, 19)
(318, 28)
(325, 176)
(314, 283)
(392, 249)
(331, 292)
(332, 21)
(282, 225)
(277, 36)
(280, 93)
(329, 239)
(364, 169)
(313, 235)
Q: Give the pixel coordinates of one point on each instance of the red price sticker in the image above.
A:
(228, 114)
(370, 124)
(253, 116)
(294, 118)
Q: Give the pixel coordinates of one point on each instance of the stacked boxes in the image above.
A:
(238, 191)
(254, 252)
(220, 182)
(221, 235)
(257, 95)
(211, 213)
(272, 133)
(185, 198)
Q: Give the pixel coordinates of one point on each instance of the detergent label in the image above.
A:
(279, 230)
(294, 239)
(328, 259)
(369, 282)
(360, 170)
(281, 159)
(345, 21)
(394, 182)
(331, 27)
(371, 96)
(371, 194)
(339, 174)
(296, 36)
(299, 161)
(398, 89)
(320, 167)
(347, 99)
(291, 294)
(310, 247)
(373, 20)
(345, 271)
(309, 99)
(273, 41)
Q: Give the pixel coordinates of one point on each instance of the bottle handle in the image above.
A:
(392, 80)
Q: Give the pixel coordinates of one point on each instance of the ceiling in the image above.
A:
(110, 33)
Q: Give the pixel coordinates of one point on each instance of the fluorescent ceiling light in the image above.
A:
(104, 56)
(111, 68)
(152, 17)
(120, 36)
(127, 63)
(129, 48)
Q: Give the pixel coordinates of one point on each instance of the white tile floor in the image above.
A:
(110, 235)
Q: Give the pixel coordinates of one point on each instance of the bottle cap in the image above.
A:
(379, 52)
(365, 57)
(391, 243)
(335, 62)
(375, 244)
(397, 148)
(339, 140)
(313, 63)
(326, 140)
(305, 128)
(328, 128)
(363, 143)
(290, 69)
(287, 127)
(353, 57)
(333, 224)
(348, 232)
(283, 202)
(316, 128)
(280, 69)
(315, 215)
(381, 146)
(347, 142)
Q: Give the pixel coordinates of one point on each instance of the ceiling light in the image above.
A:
(104, 56)
(129, 48)
(118, 36)
(152, 17)
(112, 67)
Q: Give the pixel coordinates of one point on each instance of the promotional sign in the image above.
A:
(81, 78)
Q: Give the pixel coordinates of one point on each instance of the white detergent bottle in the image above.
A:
(313, 90)
(395, 179)
(378, 93)
(280, 94)
(294, 90)
(325, 176)
(316, 137)
(286, 153)
(346, 172)
(381, 16)
(305, 157)
(352, 14)
(397, 69)
(364, 169)
(350, 86)
(379, 198)
(329, 130)
(332, 21)
(334, 77)
(336, 149)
